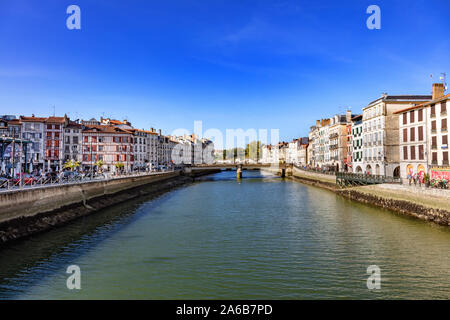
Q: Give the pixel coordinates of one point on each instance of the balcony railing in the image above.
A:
(433, 115)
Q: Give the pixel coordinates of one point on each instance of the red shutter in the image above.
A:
(421, 152)
(412, 133)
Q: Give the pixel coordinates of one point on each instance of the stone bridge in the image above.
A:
(281, 169)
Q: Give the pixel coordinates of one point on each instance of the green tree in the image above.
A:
(99, 164)
(70, 164)
(119, 165)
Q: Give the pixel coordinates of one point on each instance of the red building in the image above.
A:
(54, 129)
(109, 144)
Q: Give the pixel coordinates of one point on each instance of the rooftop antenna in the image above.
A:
(443, 78)
(54, 110)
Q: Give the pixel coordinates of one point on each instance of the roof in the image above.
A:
(14, 122)
(401, 98)
(424, 104)
(147, 131)
(56, 119)
(32, 119)
(105, 129)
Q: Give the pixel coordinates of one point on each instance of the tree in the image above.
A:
(119, 165)
(99, 164)
(70, 164)
(253, 150)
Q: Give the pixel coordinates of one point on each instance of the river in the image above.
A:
(262, 237)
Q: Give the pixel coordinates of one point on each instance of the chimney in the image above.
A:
(438, 90)
(349, 116)
(159, 131)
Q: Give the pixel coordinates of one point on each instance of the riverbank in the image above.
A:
(426, 204)
(26, 212)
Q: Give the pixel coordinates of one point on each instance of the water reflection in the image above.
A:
(261, 237)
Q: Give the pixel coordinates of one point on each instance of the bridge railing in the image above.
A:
(315, 170)
(354, 179)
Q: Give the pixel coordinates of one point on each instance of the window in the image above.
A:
(434, 142)
(405, 135)
(433, 110)
(443, 107)
(412, 134)
(420, 129)
(413, 153)
(421, 153)
(434, 157)
(433, 126)
(420, 115)
(411, 116)
(405, 153)
(405, 119)
(444, 124)
(445, 139)
(445, 157)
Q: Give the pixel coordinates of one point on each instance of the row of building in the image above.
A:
(36, 144)
(396, 136)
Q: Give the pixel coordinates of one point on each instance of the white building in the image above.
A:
(381, 133)
(357, 140)
(423, 139)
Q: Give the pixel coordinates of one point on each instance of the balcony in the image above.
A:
(433, 131)
(333, 136)
(445, 162)
(433, 146)
(443, 113)
(433, 115)
(444, 130)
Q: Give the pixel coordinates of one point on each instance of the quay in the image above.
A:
(34, 209)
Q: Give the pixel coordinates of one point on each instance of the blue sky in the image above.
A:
(232, 64)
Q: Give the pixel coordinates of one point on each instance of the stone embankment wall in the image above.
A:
(417, 206)
(33, 210)
(408, 208)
